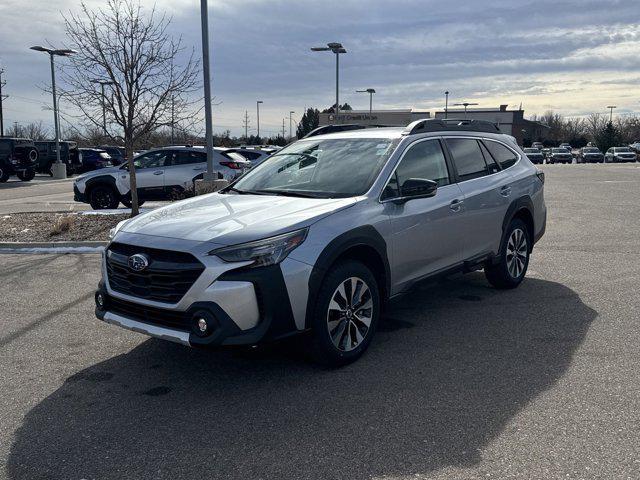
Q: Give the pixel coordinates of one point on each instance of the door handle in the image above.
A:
(159, 172)
(456, 205)
(505, 191)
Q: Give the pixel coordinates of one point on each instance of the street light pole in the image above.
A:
(465, 105)
(204, 20)
(104, 110)
(446, 104)
(370, 91)
(611, 107)
(258, 102)
(59, 169)
(290, 120)
(336, 48)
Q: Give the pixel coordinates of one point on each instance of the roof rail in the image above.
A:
(450, 124)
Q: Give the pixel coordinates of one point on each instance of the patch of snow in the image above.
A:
(52, 250)
(115, 211)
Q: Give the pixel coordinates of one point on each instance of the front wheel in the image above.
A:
(103, 197)
(514, 257)
(26, 175)
(4, 175)
(346, 314)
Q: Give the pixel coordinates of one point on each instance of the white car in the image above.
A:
(161, 174)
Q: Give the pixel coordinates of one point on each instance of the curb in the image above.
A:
(53, 247)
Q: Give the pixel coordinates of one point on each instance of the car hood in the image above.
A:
(231, 219)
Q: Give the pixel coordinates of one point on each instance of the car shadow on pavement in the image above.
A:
(451, 366)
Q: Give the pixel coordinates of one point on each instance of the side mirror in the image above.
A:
(417, 188)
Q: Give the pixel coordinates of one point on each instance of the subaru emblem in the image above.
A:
(138, 262)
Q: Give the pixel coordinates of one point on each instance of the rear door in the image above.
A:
(427, 232)
(150, 171)
(487, 190)
(186, 165)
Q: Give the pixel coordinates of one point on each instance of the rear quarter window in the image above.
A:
(501, 154)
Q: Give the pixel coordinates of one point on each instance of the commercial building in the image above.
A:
(390, 118)
(511, 122)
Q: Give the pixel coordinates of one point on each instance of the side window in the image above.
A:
(503, 155)
(489, 160)
(423, 160)
(160, 158)
(468, 158)
(184, 157)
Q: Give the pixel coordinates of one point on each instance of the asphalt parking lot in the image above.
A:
(462, 381)
(43, 194)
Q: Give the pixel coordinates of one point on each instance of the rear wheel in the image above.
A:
(4, 175)
(103, 197)
(26, 175)
(346, 314)
(514, 257)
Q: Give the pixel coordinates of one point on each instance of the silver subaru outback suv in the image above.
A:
(320, 236)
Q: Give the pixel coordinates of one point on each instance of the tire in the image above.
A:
(4, 175)
(334, 313)
(26, 175)
(103, 197)
(127, 202)
(513, 259)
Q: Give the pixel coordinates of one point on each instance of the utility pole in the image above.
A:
(446, 104)
(173, 119)
(290, 121)
(246, 125)
(204, 26)
(611, 107)
(258, 102)
(283, 127)
(2, 84)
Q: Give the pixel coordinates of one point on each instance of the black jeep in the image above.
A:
(47, 156)
(18, 156)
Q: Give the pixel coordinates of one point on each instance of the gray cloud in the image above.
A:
(566, 55)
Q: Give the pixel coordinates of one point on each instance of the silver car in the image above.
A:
(320, 236)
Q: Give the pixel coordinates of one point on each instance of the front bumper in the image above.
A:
(242, 306)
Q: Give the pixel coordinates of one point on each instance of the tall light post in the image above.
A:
(104, 110)
(59, 169)
(337, 48)
(290, 121)
(258, 102)
(465, 105)
(446, 104)
(204, 21)
(611, 107)
(370, 91)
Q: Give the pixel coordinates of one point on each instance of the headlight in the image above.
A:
(269, 251)
(114, 230)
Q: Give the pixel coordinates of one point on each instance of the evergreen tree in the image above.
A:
(309, 121)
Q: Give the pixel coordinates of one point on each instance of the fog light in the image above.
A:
(202, 325)
(100, 300)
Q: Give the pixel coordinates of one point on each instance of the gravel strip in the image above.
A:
(56, 227)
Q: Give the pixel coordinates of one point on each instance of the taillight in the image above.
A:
(540, 175)
(232, 165)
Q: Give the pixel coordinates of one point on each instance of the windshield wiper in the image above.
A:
(288, 193)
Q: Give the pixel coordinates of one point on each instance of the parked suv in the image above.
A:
(47, 156)
(18, 156)
(559, 155)
(620, 154)
(161, 174)
(321, 235)
(535, 155)
(590, 155)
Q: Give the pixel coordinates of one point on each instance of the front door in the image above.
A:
(150, 171)
(427, 232)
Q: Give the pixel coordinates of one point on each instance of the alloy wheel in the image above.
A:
(517, 252)
(349, 314)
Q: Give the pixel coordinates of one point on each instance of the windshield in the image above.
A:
(622, 149)
(591, 150)
(342, 167)
(531, 150)
(560, 150)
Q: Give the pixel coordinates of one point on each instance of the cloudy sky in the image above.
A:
(574, 57)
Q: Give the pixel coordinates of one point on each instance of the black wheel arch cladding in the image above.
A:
(519, 205)
(101, 180)
(365, 236)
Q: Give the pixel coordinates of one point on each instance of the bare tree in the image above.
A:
(33, 131)
(122, 44)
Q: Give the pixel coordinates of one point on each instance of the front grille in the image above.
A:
(167, 278)
(155, 316)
